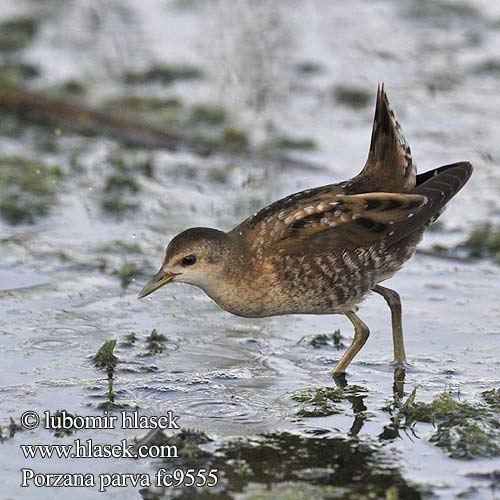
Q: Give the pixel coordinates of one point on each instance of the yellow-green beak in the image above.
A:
(159, 279)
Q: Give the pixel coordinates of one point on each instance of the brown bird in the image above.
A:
(320, 251)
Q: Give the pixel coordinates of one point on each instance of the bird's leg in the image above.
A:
(394, 302)
(361, 334)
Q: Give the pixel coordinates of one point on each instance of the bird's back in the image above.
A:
(320, 250)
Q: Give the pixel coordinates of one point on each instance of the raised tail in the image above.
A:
(389, 164)
(438, 186)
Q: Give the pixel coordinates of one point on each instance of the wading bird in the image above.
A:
(322, 250)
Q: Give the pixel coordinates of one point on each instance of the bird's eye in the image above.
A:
(188, 260)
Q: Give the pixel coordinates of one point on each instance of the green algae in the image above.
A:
(188, 442)
(142, 104)
(73, 88)
(468, 438)
(464, 429)
(208, 114)
(163, 73)
(122, 184)
(65, 431)
(292, 490)
(488, 67)
(285, 142)
(120, 247)
(118, 205)
(337, 342)
(11, 429)
(105, 360)
(492, 398)
(309, 67)
(483, 241)
(127, 272)
(129, 340)
(155, 342)
(323, 339)
(17, 33)
(234, 139)
(441, 10)
(28, 189)
(325, 401)
(16, 72)
(351, 96)
(230, 139)
(443, 407)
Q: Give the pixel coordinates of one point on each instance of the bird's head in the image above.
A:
(196, 256)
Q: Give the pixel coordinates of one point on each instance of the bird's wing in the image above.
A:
(328, 220)
(389, 162)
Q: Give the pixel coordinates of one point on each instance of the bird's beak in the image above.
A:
(159, 279)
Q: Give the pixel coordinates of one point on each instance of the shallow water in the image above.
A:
(225, 375)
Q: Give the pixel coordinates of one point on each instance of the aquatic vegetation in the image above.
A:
(15, 72)
(163, 73)
(234, 139)
(127, 272)
(142, 104)
(120, 247)
(488, 67)
(323, 339)
(63, 431)
(292, 490)
(318, 402)
(464, 429)
(309, 67)
(483, 241)
(441, 408)
(354, 97)
(220, 174)
(208, 114)
(105, 360)
(285, 142)
(129, 340)
(441, 11)
(28, 189)
(155, 342)
(492, 398)
(11, 430)
(230, 140)
(468, 438)
(285, 465)
(118, 205)
(337, 342)
(122, 184)
(74, 87)
(17, 33)
(188, 442)
(324, 401)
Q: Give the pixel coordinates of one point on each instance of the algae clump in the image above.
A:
(17, 32)
(318, 402)
(464, 429)
(483, 241)
(28, 189)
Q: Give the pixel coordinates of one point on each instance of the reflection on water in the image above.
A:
(284, 465)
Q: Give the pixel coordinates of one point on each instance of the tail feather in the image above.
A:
(389, 159)
(438, 186)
